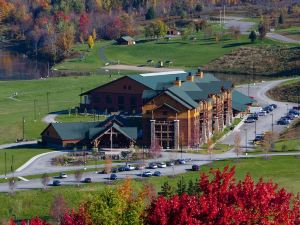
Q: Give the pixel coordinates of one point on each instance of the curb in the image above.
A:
(31, 160)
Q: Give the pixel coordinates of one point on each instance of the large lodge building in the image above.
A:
(173, 109)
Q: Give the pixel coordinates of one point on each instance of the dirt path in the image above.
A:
(139, 68)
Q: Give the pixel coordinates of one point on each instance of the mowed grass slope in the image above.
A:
(283, 170)
(19, 155)
(183, 53)
(63, 94)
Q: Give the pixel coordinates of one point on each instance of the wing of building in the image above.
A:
(174, 109)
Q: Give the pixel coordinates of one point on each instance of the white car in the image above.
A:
(152, 166)
(140, 167)
(129, 167)
(63, 175)
(147, 174)
(161, 165)
(262, 113)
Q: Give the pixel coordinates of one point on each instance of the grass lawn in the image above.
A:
(291, 145)
(20, 156)
(283, 170)
(63, 94)
(292, 32)
(88, 60)
(183, 53)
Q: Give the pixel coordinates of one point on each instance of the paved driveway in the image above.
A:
(264, 123)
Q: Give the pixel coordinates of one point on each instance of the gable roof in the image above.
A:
(240, 101)
(127, 38)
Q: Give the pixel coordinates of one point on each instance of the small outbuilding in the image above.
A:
(126, 40)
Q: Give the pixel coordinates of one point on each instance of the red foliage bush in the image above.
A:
(223, 201)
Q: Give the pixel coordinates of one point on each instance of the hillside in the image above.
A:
(287, 92)
(259, 60)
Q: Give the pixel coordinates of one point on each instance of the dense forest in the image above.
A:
(49, 28)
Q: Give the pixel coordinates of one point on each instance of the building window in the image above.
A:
(125, 87)
(120, 100)
(47, 133)
(97, 99)
(129, 87)
(165, 113)
(133, 101)
(108, 99)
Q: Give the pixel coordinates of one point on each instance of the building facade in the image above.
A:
(177, 109)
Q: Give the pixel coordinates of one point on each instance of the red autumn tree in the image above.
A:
(224, 201)
(73, 217)
(84, 24)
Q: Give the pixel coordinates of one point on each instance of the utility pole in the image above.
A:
(34, 109)
(272, 124)
(255, 128)
(23, 128)
(47, 95)
(5, 165)
(12, 165)
(246, 142)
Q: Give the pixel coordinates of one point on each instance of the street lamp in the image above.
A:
(287, 107)
(246, 142)
(272, 123)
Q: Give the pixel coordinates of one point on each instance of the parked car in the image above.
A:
(290, 116)
(274, 106)
(87, 180)
(286, 118)
(157, 173)
(147, 174)
(295, 112)
(267, 109)
(114, 170)
(250, 120)
(170, 163)
(282, 122)
(113, 176)
(181, 161)
(152, 166)
(140, 167)
(296, 108)
(195, 168)
(161, 165)
(104, 171)
(254, 116)
(56, 183)
(129, 168)
(121, 168)
(262, 113)
(258, 139)
(63, 175)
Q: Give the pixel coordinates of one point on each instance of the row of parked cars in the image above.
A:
(254, 116)
(129, 167)
(292, 114)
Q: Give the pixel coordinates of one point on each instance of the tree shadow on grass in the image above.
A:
(236, 44)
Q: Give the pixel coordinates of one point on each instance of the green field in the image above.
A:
(19, 155)
(291, 32)
(87, 59)
(183, 53)
(283, 170)
(63, 94)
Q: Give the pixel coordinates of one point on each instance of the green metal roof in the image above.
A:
(127, 38)
(240, 101)
(73, 131)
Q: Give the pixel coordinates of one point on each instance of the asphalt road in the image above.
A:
(264, 123)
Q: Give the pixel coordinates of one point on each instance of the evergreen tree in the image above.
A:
(281, 19)
(262, 30)
(150, 14)
(191, 188)
(167, 190)
(181, 186)
(252, 36)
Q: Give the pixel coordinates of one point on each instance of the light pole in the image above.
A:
(34, 109)
(272, 123)
(246, 141)
(255, 128)
(23, 128)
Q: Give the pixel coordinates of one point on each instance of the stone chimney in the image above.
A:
(190, 77)
(200, 73)
(177, 82)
